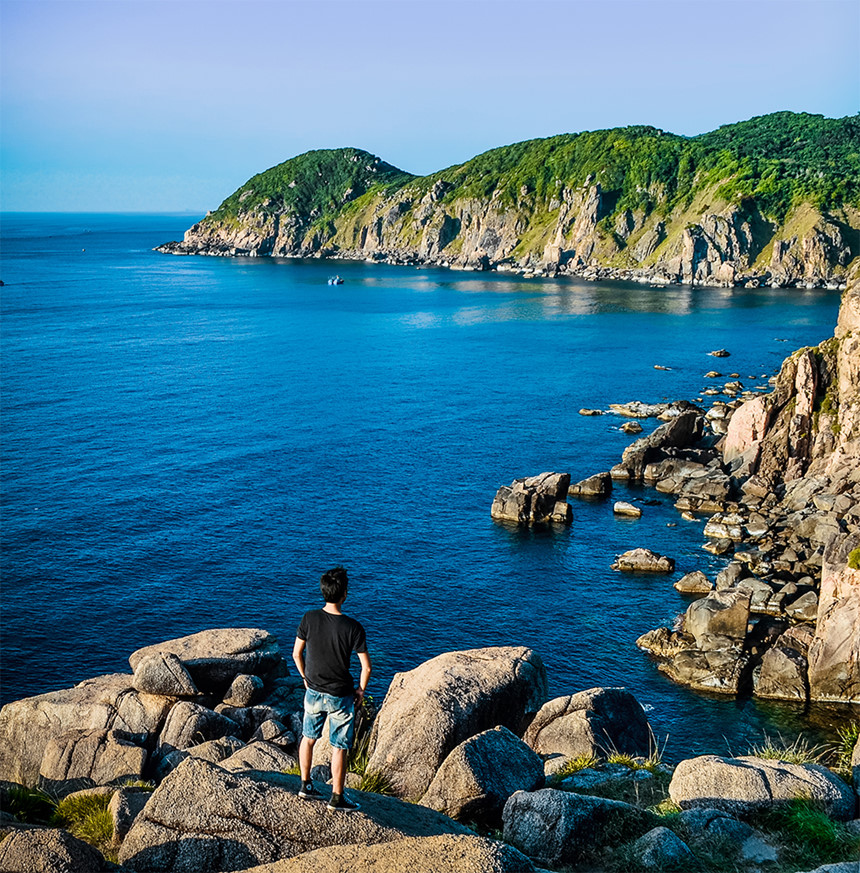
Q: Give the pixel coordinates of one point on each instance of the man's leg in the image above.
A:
(306, 757)
(338, 770)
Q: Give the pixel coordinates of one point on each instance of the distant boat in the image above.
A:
(335, 280)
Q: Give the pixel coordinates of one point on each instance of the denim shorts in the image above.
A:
(341, 713)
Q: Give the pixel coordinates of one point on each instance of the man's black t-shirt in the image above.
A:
(330, 641)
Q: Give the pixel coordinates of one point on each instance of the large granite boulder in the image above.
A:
(85, 758)
(448, 853)
(102, 703)
(49, 850)
(747, 427)
(480, 774)
(444, 701)
(163, 673)
(203, 819)
(719, 619)
(215, 657)
(558, 827)
(595, 722)
(533, 500)
(189, 724)
(260, 755)
(745, 785)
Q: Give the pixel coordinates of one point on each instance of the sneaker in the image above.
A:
(308, 792)
(341, 803)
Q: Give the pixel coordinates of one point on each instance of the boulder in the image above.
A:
(622, 507)
(124, 807)
(205, 819)
(721, 616)
(595, 722)
(742, 786)
(480, 774)
(259, 755)
(442, 854)
(444, 701)
(106, 702)
(48, 850)
(84, 758)
(708, 822)
(643, 561)
(189, 724)
(660, 849)
(215, 657)
(558, 827)
(244, 690)
(694, 583)
(534, 500)
(163, 673)
(213, 751)
(631, 427)
(680, 432)
(599, 485)
(595, 780)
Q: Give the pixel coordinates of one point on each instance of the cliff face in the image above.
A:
(803, 442)
(626, 203)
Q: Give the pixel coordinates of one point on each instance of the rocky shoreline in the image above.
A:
(657, 276)
(467, 766)
(777, 479)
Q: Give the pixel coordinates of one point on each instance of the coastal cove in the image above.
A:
(189, 442)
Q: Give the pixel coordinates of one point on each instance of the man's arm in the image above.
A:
(299, 658)
(366, 668)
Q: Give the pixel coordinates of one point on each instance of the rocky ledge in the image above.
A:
(466, 767)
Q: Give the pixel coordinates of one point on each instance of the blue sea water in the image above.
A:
(188, 442)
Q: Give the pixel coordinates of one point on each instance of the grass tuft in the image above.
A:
(574, 765)
(29, 805)
(801, 751)
(87, 818)
(808, 836)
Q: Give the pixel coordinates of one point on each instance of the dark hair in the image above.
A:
(334, 584)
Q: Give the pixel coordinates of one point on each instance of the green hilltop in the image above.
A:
(775, 199)
(776, 160)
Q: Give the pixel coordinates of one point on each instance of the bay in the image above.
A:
(190, 442)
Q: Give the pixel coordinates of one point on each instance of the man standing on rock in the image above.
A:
(325, 641)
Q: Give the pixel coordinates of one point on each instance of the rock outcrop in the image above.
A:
(217, 820)
(534, 500)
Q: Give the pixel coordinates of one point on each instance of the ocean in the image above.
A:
(189, 442)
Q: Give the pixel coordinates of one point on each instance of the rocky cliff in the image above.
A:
(784, 621)
(775, 200)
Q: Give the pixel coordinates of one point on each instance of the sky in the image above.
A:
(170, 105)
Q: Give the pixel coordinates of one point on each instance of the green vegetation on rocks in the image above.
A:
(777, 196)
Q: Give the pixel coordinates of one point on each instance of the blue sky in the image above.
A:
(170, 105)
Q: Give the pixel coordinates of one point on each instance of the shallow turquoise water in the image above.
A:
(190, 442)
